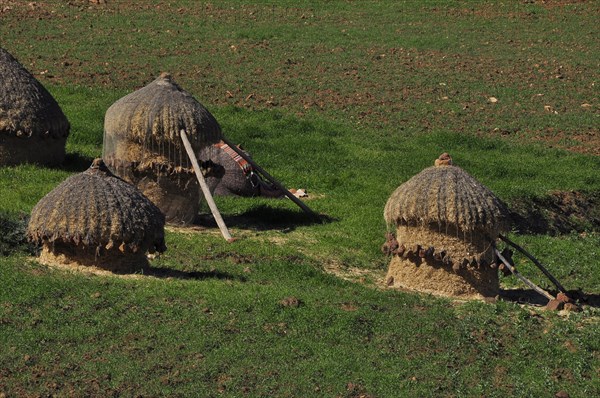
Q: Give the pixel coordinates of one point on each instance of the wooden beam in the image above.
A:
(522, 278)
(270, 178)
(204, 187)
(536, 262)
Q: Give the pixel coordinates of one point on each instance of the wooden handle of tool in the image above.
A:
(205, 190)
(270, 178)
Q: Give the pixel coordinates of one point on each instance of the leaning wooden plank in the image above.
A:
(536, 262)
(522, 278)
(270, 178)
(204, 187)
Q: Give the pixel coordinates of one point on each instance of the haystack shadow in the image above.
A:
(265, 218)
(75, 162)
(168, 273)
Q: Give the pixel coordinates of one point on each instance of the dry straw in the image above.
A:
(95, 216)
(446, 225)
(142, 144)
(446, 196)
(142, 128)
(33, 128)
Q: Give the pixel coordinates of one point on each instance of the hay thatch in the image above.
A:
(446, 196)
(143, 127)
(142, 144)
(95, 214)
(33, 128)
(233, 181)
(446, 225)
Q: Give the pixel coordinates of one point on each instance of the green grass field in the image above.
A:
(347, 99)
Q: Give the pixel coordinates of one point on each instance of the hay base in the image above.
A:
(15, 150)
(176, 194)
(434, 278)
(110, 260)
(179, 200)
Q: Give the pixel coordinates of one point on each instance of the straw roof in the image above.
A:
(27, 110)
(97, 209)
(144, 126)
(446, 195)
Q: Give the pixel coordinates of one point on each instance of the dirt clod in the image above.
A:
(563, 298)
(555, 305)
(292, 302)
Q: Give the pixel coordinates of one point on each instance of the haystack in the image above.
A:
(446, 225)
(33, 128)
(96, 219)
(142, 145)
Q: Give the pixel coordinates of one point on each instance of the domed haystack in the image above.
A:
(446, 227)
(33, 128)
(96, 219)
(142, 144)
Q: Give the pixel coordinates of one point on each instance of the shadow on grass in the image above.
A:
(531, 297)
(166, 273)
(75, 162)
(263, 218)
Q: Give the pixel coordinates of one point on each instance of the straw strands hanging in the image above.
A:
(33, 128)
(94, 215)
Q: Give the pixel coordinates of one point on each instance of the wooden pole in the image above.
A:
(536, 262)
(270, 178)
(204, 187)
(522, 278)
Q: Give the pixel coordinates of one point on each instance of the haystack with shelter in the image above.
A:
(33, 128)
(142, 145)
(96, 219)
(446, 225)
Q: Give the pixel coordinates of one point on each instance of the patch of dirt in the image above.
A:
(558, 213)
(370, 277)
(374, 85)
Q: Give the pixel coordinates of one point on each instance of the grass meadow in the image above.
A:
(347, 99)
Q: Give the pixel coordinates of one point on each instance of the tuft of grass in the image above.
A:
(13, 238)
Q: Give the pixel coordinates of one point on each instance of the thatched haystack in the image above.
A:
(33, 128)
(446, 225)
(142, 145)
(96, 219)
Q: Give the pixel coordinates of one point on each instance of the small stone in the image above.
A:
(389, 281)
(292, 302)
(562, 394)
(563, 298)
(555, 305)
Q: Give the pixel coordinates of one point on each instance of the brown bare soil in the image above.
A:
(370, 87)
(558, 213)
